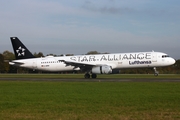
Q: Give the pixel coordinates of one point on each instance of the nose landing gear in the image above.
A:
(156, 73)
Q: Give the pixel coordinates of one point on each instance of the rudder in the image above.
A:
(20, 50)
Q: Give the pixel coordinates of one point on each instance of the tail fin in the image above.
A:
(20, 50)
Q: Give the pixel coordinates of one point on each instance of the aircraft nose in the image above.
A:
(172, 61)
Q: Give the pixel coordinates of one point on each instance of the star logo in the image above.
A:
(20, 51)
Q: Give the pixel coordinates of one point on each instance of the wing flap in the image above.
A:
(82, 66)
(77, 64)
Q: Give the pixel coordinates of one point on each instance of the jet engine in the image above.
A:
(105, 69)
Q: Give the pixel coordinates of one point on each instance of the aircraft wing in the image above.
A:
(76, 64)
(82, 66)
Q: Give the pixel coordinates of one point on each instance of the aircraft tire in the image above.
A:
(156, 74)
(87, 76)
(94, 76)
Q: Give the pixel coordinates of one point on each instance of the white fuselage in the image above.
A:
(116, 61)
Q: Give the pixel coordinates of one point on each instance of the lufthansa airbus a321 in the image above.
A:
(90, 64)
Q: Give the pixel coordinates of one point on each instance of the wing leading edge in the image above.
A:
(82, 66)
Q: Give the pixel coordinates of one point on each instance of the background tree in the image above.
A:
(176, 67)
(40, 54)
(92, 53)
(69, 54)
(8, 56)
(2, 63)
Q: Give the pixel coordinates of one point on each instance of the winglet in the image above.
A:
(20, 50)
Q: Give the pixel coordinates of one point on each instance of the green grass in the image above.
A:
(47, 100)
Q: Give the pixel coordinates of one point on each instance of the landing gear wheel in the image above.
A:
(87, 75)
(156, 74)
(93, 76)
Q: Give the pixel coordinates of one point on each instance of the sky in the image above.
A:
(79, 26)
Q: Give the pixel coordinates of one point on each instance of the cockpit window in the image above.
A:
(165, 56)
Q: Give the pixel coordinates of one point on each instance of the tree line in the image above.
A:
(8, 56)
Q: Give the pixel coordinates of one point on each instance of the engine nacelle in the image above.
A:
(102, 69)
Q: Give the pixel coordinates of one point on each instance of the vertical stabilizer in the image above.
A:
(20, 50)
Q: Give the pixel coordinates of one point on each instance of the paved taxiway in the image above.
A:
(90, 80)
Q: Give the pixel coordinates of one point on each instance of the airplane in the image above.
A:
(90, 64)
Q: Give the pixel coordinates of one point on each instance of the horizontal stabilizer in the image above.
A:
(16, 63)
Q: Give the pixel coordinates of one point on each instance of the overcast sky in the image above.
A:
(80, 26)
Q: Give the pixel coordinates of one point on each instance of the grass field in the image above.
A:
(45, 100)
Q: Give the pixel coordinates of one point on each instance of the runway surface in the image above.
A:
(91, 80)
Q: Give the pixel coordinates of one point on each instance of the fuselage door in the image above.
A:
(34, 64)
(154, 57)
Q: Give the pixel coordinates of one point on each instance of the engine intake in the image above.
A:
(102, 69)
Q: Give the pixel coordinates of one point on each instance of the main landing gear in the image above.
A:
(156, 73)
(87, 75)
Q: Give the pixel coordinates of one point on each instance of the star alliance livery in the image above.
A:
(90, 64)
